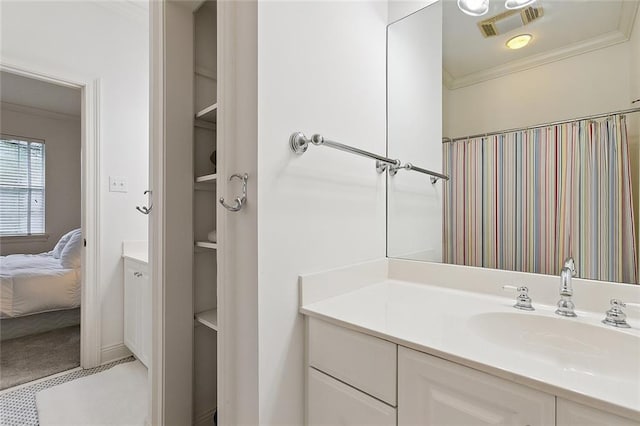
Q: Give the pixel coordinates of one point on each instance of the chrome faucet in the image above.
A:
(565, 305)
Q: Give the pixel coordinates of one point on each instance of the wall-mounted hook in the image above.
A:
(143, 209)
(239, 201)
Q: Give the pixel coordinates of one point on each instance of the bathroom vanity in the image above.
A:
(137, 300)
(397, 342)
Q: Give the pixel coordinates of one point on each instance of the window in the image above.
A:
(21, 186)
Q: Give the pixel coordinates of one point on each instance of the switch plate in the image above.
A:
(118, 184)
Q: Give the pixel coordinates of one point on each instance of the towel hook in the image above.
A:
(239, 201)
(143, 209)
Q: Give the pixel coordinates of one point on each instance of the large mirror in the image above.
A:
(539, 136)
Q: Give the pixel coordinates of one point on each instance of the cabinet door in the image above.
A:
(432, 391)
(145, 317)
(573, 414)
(131, 301)
(332, 403)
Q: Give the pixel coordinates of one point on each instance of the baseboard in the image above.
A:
(205, 418)
(113, 352)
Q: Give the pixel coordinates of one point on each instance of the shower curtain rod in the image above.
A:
(537, 126)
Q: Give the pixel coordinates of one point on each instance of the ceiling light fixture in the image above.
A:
(474, 7)
(519, 41)
(517, 4)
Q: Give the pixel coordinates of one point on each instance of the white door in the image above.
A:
(432, 391)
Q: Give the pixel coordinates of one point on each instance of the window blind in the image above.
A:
(22, 186)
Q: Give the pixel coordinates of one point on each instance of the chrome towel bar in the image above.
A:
(408, 166)
(299, 143)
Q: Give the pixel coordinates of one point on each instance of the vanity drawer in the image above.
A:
(331, 402)
(362, 361)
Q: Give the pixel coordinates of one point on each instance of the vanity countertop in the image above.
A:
(136, 250)
(585, 363)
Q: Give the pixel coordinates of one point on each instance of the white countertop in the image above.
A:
(136, 250)
(444, 322)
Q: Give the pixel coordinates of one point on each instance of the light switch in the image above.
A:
(118, 184)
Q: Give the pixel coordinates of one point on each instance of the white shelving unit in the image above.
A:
(207, 178)
(206, 245)
(208, 113)
(205, 112)
(208, 318)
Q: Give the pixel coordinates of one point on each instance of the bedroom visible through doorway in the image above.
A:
(41, 240)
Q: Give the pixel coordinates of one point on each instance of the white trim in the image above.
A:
(91, 313)
(90, 318)
(156, 218)
(115, 352)
(600, 42)
(24, 109)
(627, 17)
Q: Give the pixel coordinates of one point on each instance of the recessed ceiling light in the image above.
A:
(519, 41)
(517, 4)
(474, 7)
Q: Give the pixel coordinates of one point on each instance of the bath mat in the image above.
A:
(118, 396)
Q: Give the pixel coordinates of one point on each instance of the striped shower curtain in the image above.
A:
(526, 200)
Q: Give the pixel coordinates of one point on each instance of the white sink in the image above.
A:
(570, 344)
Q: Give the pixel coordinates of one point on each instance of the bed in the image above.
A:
(41, 292)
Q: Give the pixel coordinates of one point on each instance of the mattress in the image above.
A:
(36, 283)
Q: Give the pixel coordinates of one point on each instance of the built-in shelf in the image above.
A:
(205, 72)
(201, 124)
(206, 244)
(208, 114)
(207, 178)
(208, 318)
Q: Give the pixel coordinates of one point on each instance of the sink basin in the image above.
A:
(575, 346)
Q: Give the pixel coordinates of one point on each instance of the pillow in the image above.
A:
(57, 250)
(72, 252)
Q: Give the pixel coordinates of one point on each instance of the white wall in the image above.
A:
(326, 208)
(577, 86)
(62, 171)
(414, 132)
(87, 40)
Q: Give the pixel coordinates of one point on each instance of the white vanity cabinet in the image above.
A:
(137, 309)
(351, 377)
(432, 391)
(570, 413)
(332, 402)
(357, 379)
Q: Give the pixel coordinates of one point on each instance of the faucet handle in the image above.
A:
(615, 316)
(523, 301)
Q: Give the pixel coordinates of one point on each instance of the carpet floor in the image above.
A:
(29, 358)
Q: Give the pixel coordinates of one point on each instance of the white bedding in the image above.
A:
(35, 283)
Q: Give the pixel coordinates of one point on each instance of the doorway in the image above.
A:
(47, 225)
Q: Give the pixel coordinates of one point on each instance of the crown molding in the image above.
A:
(600, 42)
(628, 17)
(24, 109)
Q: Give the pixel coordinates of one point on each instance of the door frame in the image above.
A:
(90, 313)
